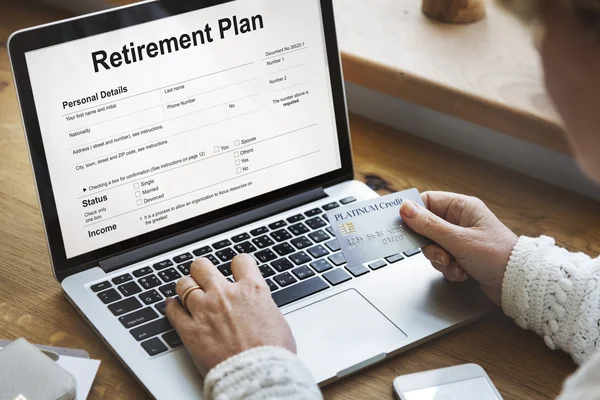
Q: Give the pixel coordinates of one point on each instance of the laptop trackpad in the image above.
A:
(341, 332)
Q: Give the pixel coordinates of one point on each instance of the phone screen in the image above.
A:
(472, 389)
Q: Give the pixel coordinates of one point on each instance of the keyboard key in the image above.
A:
(168, 290)
(283, 264)
(100, 286)
(212, 259)
(230, 279)
(162, 265)
(245, 247)
(300, 258)
(169, 275)
(333, 245)
(348, 200)
(298, 229)
(377, 265)
(125, 306)
(337, 259)
(142, 272)
(122, 279)
(318, 251)
(172, 339)
(154, 347)
(265, 256)
(263, 241)
(394, 259)
(325, 217)
(357, 270)
(315, 223)
(272, 285)
(281, 235)
(284, 249)
(277, 225)
(295, 218)
(301, 242)
(148, 282)
(183, 258)
(266, 271)
(412, 252)
(139, 317)
(337, 276)
(221, 244)
(330, 231)
(330, 206)
(225, 269)
(109, 296)
(318, 236)
(321, 265)
(259, 231)
(160, 307)
(152, 329)
(299, 291)
(284, 279)
(240, 238)
(151, 297)
(313, 212)
(226, 254)
(202, 251)
(185, 268)
(303, 272)
(129, 289)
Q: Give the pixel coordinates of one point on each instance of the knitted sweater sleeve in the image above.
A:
(555, 293)
(263, 373)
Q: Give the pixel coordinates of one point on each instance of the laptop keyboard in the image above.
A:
(298, 256)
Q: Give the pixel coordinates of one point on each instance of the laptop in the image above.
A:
(169, 130)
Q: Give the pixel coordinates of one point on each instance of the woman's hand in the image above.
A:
(470, 239)
(225, 318)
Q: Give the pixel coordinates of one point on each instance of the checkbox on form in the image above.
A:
(217, 149)
(136, 185)
(139, 202)
(237, 143)
(138, 194)
(237, 162)
(236, 154)
(239, 170)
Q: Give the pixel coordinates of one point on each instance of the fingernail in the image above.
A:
(168, 300)
(459, 273)
(409, 209)
(440, 259)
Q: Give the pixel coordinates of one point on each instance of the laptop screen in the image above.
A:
(157, 123)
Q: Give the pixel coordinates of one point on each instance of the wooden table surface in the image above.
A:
(33, 306)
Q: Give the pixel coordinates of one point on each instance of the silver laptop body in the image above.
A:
(243, 148)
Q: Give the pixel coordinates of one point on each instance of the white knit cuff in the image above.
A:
(261, 373)
(554, 293)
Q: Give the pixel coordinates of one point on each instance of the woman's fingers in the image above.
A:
(452, 272)
(179, 318)
(193, 297)
(244, 268)
(206, 274)
(436, 254)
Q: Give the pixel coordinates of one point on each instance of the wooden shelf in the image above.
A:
(487, 73)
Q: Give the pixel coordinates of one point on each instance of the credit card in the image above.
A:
(373, 229)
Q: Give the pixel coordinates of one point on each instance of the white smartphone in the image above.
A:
(463, 382)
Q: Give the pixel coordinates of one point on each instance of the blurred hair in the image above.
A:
(586, 11)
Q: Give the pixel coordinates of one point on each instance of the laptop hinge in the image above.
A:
(209, 230)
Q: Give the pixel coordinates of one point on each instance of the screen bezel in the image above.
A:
(78, 28)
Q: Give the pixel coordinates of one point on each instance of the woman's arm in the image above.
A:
(263, 373)
(543, 287)
(556, 294)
